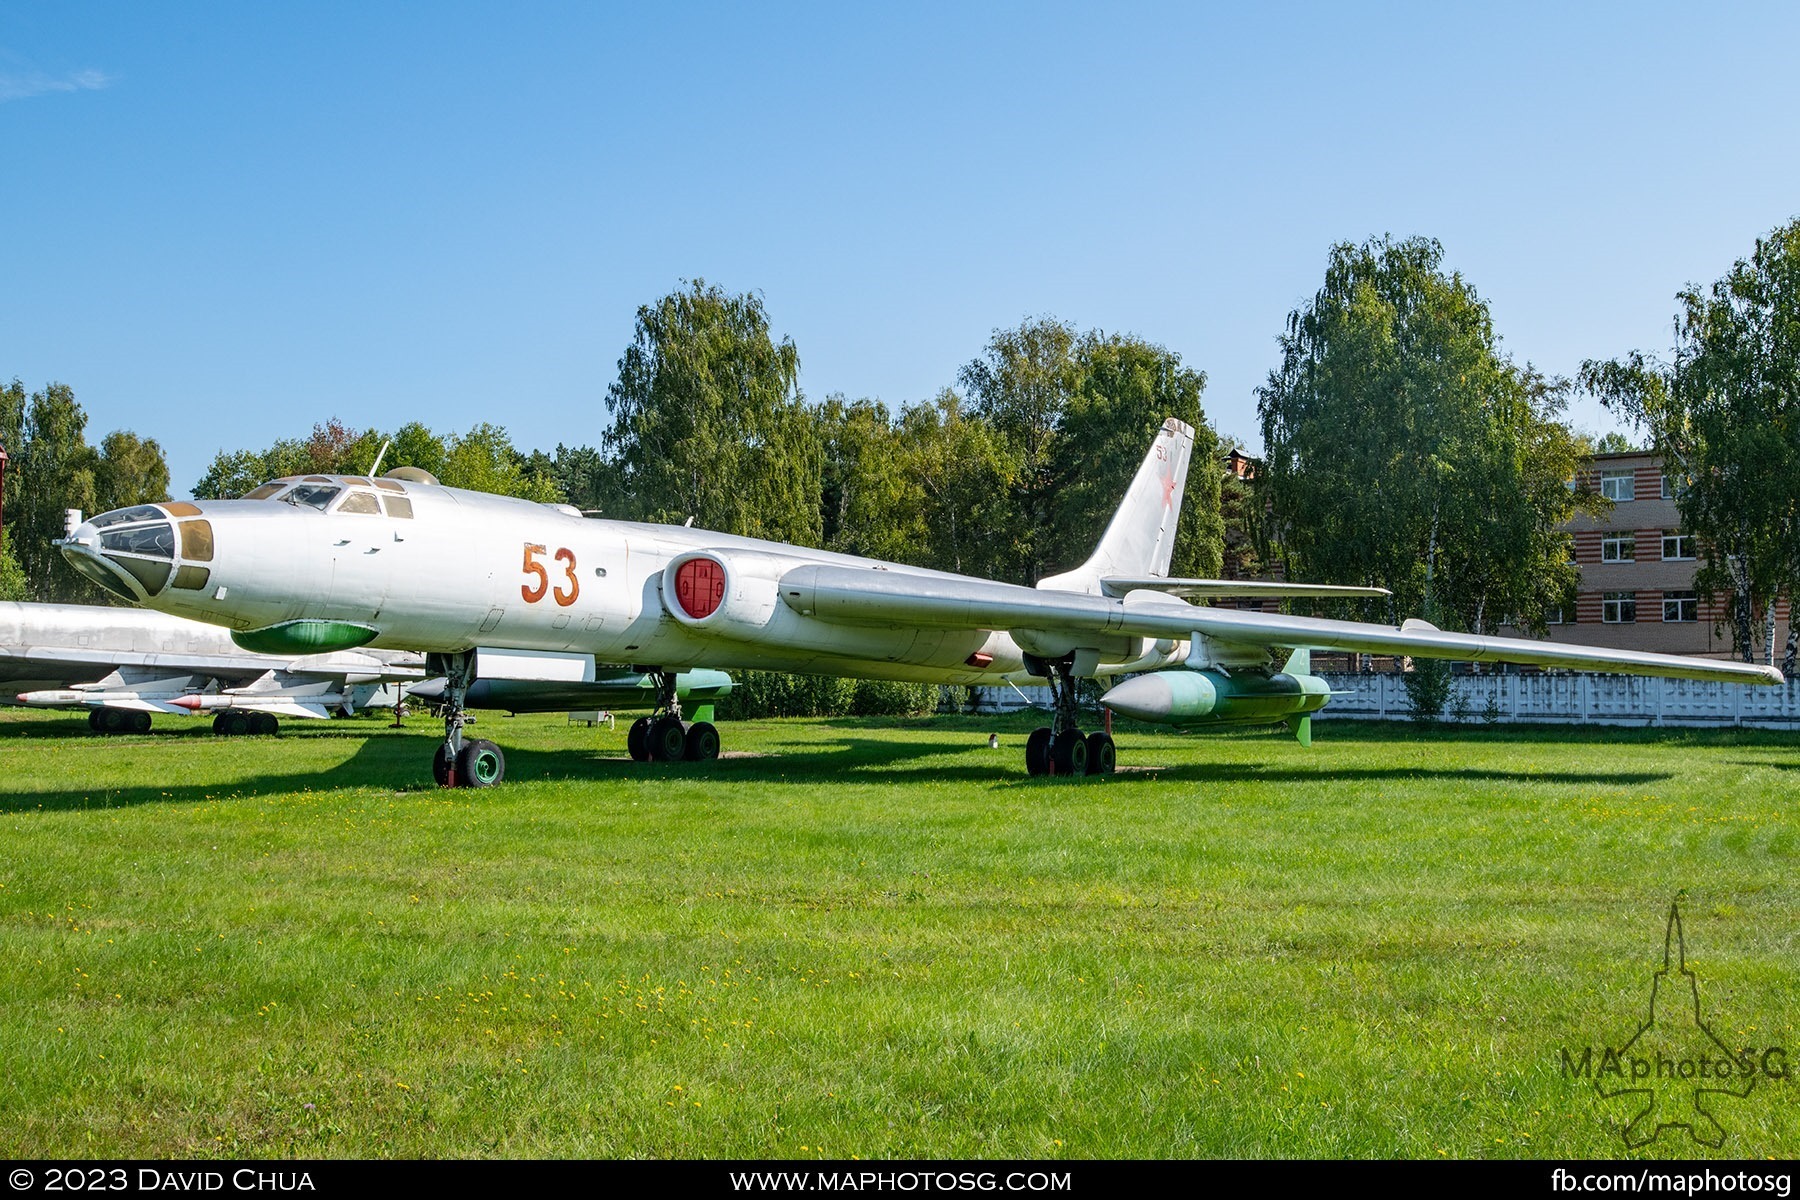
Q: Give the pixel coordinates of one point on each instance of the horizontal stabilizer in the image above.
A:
(1222, 589)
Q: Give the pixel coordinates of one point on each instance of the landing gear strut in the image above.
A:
(664, 737)
(476, 762)
(1061, 748)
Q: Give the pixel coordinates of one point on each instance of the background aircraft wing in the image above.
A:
(860, 596)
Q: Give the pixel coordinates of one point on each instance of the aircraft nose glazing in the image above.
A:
(129, 552)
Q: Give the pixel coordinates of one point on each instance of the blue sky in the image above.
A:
(223, 223)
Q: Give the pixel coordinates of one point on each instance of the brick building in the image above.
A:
(1638, 566)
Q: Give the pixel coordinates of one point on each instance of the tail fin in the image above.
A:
(1140, 539)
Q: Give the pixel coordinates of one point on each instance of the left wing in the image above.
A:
(859, 596)
(1119, 586)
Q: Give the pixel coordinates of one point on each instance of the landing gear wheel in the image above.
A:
(480, 765)
(112, 720)
(668, 740)
(219, 724)
(234, 724)
(1068, 753)
(1102, 757)
(264, 724)
(637, 740)
(702, 744)
(137, 722)
(440, 765)
(1037, 751)
(97, 720)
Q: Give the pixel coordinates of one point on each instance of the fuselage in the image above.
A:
(412, 565)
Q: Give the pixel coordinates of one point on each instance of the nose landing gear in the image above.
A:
(475, 762)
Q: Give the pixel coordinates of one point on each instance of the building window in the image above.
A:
(1617, 486)
(1680, 607)
(1672, 488)
(1619, 548)
(1553, 616)
(1618, 608)
(1677, 545)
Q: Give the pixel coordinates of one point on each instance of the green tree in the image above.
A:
(589, 480)
(414, 445)
(12, 575)
(871, 505)
(484, 460)
(54, 467)
(1725, 418)
(1022, 386)
(955, 461)
(708, 421)
(1072, 415)
(130, 470)
(1402, 450)
(1126, 387)
(1246, 551)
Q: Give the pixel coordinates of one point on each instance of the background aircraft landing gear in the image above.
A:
(1061, 748)
(114, 720)
(237, 724)
(474, 763)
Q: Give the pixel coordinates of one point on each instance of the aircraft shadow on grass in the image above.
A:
(397, 763)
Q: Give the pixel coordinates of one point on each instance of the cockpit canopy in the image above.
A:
(350, 494)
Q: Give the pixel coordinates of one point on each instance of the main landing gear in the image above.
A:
(1061, 748)
(664, 737)
(474, 762)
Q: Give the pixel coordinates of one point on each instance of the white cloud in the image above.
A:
(36, 83)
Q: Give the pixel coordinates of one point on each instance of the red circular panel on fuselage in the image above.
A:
(699, 587)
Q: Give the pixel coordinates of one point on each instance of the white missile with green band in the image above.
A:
(314, 563)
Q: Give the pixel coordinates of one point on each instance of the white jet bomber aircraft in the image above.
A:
(317, 563)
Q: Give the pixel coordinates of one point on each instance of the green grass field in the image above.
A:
(875, 938)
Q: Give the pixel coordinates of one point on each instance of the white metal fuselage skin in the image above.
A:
(469, 569)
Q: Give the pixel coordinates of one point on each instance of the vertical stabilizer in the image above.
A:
(1298, 663)
(1140, 538)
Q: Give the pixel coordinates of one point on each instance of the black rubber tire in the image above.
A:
(111, 720)
(637, 740)
(1037, 751)
(1102, 755)
(440, 765)
(236, 724)
(264, 724)
(667, 741)
(702, 742)
(219, 724)
(1068, 754)
(480, 765)
(137, 722)
(97, 720)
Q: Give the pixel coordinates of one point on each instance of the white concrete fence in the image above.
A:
(1536, 699)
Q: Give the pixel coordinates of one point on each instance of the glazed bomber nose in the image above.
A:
(140, 552)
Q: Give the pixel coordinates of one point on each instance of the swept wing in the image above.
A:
(852, 595)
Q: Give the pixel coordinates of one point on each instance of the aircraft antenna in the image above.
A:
(380, 456)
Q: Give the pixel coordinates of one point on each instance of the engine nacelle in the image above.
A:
(730, 597)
